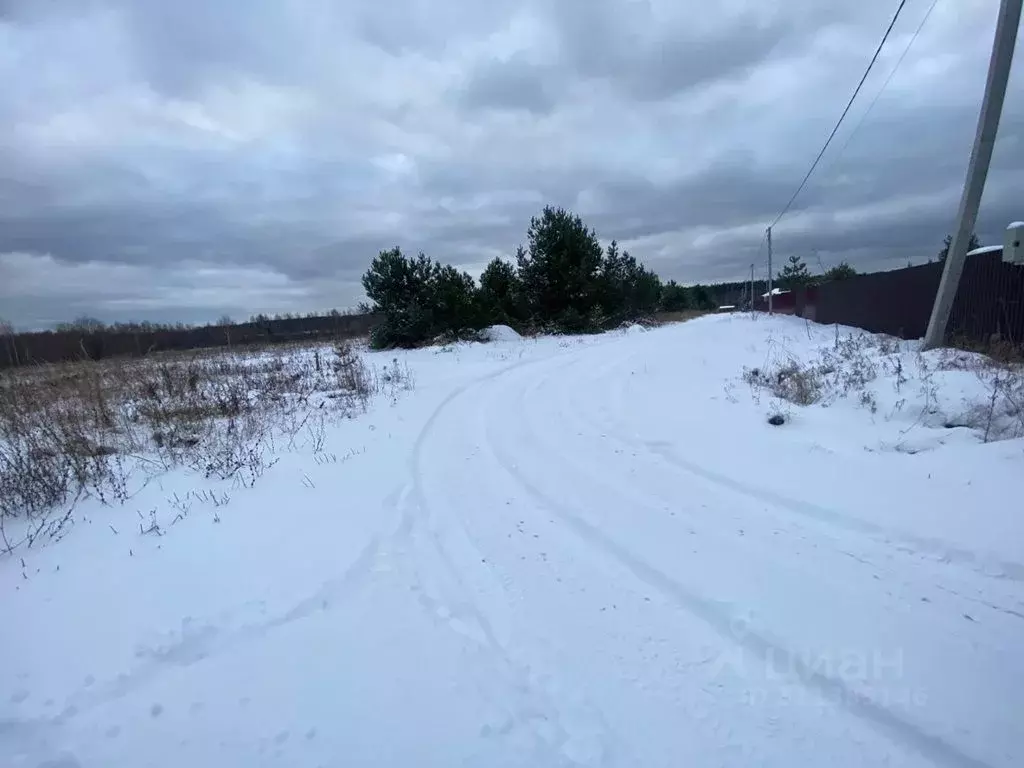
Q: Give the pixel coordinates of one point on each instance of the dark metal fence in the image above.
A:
(897, 302)
(989, 303)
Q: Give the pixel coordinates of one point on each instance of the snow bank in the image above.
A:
(886, 389)
(499, 333)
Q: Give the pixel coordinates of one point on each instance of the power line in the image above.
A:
(760, 248)
(856, 90)
(885, 85)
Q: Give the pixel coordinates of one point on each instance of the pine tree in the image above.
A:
(627, 288)
(419, 298)
(560, 269)
(948, 241)
(501, 294)
(400, 289)
(794, 274)
(453, 302)
(674, 297)
(841, 271)
(702, 298)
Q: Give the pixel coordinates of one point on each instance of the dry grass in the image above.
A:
(1001, 415)
(846, 368)
(101, 428)
(853, 362)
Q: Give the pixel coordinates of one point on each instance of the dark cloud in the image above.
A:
(649, 58)
(515, 84)
(181, 160)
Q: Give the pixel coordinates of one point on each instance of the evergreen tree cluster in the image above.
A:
(561, 281)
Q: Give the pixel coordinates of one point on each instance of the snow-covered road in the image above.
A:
(552, 553)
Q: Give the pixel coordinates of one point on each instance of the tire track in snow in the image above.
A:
(902, 541)
(634, 495)
(713, 614)
(899, 552)
(195, 643)
(447, 596)
(198, 641)
(614, 432)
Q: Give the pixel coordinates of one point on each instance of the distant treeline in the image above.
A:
(87, 339)
(732, 294)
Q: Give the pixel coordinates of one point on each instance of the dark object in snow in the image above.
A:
(776, 419)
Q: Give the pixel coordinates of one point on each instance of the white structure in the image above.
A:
(1013, 244)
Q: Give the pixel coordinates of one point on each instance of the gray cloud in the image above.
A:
(513, 84)
(179, 160)
(651, 58)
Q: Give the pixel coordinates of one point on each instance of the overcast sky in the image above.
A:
(181, 160)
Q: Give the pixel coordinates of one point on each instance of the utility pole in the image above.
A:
(752, 304)
(769, 270)
(977, 169)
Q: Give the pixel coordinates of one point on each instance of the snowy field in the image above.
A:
(558, 552)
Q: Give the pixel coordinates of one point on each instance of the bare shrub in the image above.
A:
(59, 437)
(847, 368)
(789, 381)
(393, 379)
(354, 380)
(1000, 416)
(99, 429)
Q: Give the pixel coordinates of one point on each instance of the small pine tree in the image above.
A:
(794, 274)
(560, 268)
(453, 302)
(400, 289)
(646, 290)
(501, 294)
(674, 297)
(612, 280)
(702, 298)
(948, 241)
(841, 271)
(419, 299)
(627, 289)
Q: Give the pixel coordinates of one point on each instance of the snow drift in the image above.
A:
(499, 333)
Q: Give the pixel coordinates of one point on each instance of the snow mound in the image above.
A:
(499, 333)
(634, 328)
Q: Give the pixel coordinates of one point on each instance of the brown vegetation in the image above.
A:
(102, 428)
